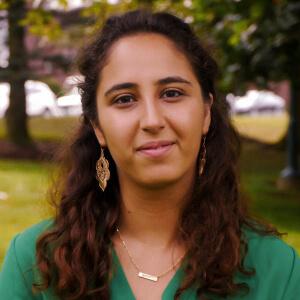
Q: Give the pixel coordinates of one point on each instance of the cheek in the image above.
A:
(188, 120)
(118, 130)
(188, 126)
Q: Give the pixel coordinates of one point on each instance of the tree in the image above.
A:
(16, 119)
(260, 42)
(17, 73)
(23, 17)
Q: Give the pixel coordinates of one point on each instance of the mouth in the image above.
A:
(156, 149)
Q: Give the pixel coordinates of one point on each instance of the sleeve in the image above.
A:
(292, 289)
(14, 283)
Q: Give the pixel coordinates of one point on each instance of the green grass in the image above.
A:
(267, 129)
(26, 182)
(52, 129)
(260, 171)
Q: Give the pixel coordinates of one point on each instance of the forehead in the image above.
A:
(144, 55)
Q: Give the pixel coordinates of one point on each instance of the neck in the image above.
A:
(151, 216)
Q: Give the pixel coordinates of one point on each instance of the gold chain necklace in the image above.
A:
(145, 275)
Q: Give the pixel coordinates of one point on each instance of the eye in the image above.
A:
(123, 100)
(172, 93)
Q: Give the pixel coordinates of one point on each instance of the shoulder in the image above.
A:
(18, 270)
(267, 246)
(24, 244)
(27, 239)
(264, 248)
(276, 265)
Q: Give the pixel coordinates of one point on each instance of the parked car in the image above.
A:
(40, 100)
(256, 102)
(4, 96)
(70, 103)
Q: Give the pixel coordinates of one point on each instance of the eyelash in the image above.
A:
(128, 95)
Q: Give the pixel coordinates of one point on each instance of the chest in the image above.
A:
(134, 287)
(144, 289)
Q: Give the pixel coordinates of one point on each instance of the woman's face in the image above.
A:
(151, 111)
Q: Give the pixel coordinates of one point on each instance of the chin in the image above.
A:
(160, 181)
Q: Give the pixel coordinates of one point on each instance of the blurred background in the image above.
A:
(256, 43)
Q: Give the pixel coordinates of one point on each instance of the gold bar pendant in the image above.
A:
(148, 276)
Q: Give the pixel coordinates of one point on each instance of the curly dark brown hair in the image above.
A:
(74, 256)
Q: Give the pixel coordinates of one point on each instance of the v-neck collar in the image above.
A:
(121, 289)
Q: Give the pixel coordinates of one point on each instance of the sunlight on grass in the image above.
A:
(265, 128)
(50, 129)
(25, 184)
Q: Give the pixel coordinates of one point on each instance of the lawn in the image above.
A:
(264, 128)
(260, 168)
(26, 182)
(52, 129)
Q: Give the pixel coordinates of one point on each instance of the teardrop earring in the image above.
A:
(102, 171)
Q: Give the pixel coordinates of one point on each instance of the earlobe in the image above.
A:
(207, 114)
(207, 120)
(99, 134)
(211, 99)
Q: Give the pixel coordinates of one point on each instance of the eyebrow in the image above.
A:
(128, 85)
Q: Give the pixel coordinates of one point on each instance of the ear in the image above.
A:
(207, 114)
(99, 134)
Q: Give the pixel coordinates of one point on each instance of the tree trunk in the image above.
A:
(282, 143)
(298, 117)
(16, 118)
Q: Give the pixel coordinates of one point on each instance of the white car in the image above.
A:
(4, 96)
(70, 103)
(255, 102)
(40, 100)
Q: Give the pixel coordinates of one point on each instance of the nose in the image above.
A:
(152, 118)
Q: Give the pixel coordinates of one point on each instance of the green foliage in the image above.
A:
(42, 23)
(260, 40)
(3, 5)
(100, 10)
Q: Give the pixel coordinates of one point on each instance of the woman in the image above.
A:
(149, 203)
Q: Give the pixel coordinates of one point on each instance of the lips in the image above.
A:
(156, 149)
(154, 145)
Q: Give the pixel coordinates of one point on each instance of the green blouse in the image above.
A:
(277, 271)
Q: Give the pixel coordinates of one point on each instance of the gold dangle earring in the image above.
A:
(203, 158)
(102, 170)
